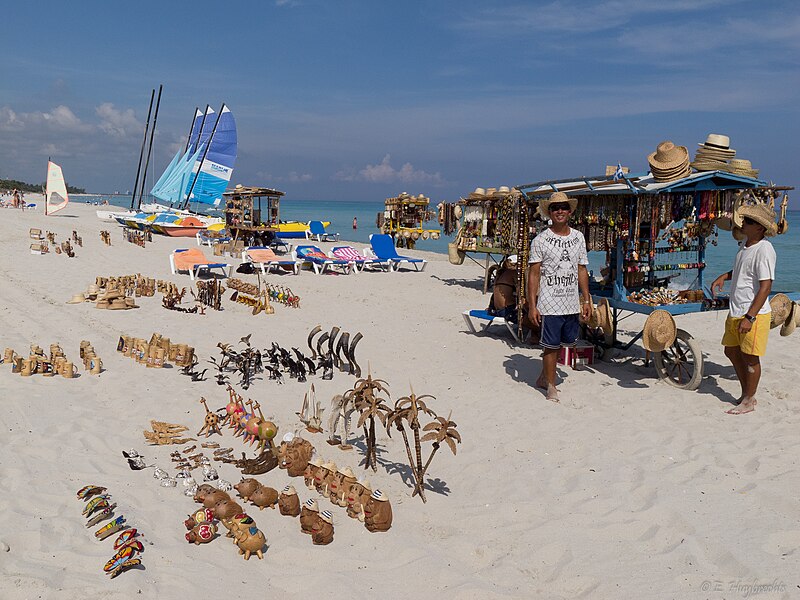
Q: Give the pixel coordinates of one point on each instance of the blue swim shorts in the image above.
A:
(559, 330)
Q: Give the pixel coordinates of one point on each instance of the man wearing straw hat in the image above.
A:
(557, 271)
(748, 322)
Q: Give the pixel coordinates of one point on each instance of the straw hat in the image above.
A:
(781, 307)
(102, 304)
(379, 496)
(347, 472)
(330, 466)
(604, 316)
(740, 166)
(326, 516)
(503, 189)
(478, 193)
(718, 142)
(761, 214)
(544, 205)
(660, 331)
(289, 490)
(118, 304)
(77, 299)
(792, 321)
(668, 156)
(316, 462)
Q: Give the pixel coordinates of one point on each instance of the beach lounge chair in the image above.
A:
(319, 261)
(360, 262)
(193, 260)
(486, 320)
(383, 248)
(267, 260)
(209, 238)
(316, 230)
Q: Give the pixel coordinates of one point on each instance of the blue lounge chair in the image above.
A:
(319, 261)
(360, 261)
(317, 230)
(383, 248)
(483, 315)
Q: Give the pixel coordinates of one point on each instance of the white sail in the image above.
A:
(56, 196)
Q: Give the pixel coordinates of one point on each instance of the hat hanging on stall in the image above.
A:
(761, 214)
(660, 331)
(781, 306)
(669, 162)
(792, 321)
(604, 316)
(544, 205)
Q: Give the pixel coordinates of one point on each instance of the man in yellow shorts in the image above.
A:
(748, 322)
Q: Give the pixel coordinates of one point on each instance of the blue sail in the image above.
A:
(213, 172)
(191, 143)
(165, 175)
(171, 185)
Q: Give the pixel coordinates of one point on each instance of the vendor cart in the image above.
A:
(652, 232)
(252, 214)
(404, 219)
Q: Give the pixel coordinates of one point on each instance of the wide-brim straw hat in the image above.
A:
(347, 472)
(761, 214)
(77, 299)
(544, 205)
(781, 306)
(792, 321)
(718, 141)
(478, 193)
(604, 316)
(668, 156)
(118, 304)
(659, 332)
(663, 178)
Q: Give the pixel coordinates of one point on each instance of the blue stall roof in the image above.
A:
(641, 184)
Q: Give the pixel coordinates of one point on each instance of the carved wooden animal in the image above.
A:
(264, 496)
(236, 524)
(211, 499)
(251, 541)
(246, 487)
(210, 423)
(201, 533)
(204, 515)
(203, 491)
(227, 508)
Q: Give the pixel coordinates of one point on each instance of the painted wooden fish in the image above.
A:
(125, 536)
(95, 504)
(135, 544)
(120, 557)
(88, 491)
(110, 528)
(125, 566)
(104, 514)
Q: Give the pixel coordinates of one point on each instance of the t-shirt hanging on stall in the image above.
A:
(560, 256)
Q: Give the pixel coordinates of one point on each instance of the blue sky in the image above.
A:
(362, 100)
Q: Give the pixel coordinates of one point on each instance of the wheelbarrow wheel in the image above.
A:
(680, 365)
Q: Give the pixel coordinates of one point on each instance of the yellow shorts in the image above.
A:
(754, 342)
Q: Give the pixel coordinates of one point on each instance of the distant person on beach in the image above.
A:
(556, 274)
(355, 222)
(748, 322)
(15, 195)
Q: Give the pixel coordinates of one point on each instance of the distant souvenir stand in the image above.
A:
(252, 214)
(651, 232)
(404, 217)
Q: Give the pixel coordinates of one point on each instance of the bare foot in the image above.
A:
(552, 393)
(745, 406)
(541, 383)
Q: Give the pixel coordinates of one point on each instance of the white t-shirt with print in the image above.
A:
(751, 266)
(560, 256)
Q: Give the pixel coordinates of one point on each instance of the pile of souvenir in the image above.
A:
(98, 508)
(137, 236)
(250, 425)
(250, 295)
(156, 352)
(66, 248)
(38, 362)
(164, 434)
(281, 295)
(669, 162)
(490, 219)
(658, 296)
(714, 154)
(209, 293)
(91, 362)
(105, 236)
(77, 239)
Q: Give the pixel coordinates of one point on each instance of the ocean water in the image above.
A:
(719, 258)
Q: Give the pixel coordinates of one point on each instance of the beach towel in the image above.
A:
(188, 259)
(263, 255)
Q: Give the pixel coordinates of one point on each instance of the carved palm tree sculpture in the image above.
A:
(366, 399)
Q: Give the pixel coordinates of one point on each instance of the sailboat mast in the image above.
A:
(150, 147)
(202, 160)
(141, 152)
(46, 191)
(191, 126)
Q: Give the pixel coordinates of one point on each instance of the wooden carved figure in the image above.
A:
(251, 541)
(308, 474)
(356, 498)
(253, 424)
(294, 456)
(321, 477)
(211, 499)
(348, 478)
(238, 524)
(334, 485)
(378, 512)
(246, 487)
(309, 513)
(204, 515)
(211, 422)
(203, 491)
(322, 529)
(289, 502)
(202, 533)
(265, 496)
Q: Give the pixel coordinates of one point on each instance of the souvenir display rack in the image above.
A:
(252, 214)
(652, 232)
(404, 217)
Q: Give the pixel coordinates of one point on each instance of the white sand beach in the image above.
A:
(628, 488)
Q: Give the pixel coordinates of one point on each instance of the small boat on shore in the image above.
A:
(295, 229)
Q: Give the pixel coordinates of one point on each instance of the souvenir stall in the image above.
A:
(404, 218)
(655, 235)
(252, 214)
(489, 219)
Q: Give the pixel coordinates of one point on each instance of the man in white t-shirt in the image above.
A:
(557, 271)
(748, 322)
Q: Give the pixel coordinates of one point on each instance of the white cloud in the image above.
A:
(9, 120)
(117, 123)
(384, 172)
(291, 177)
